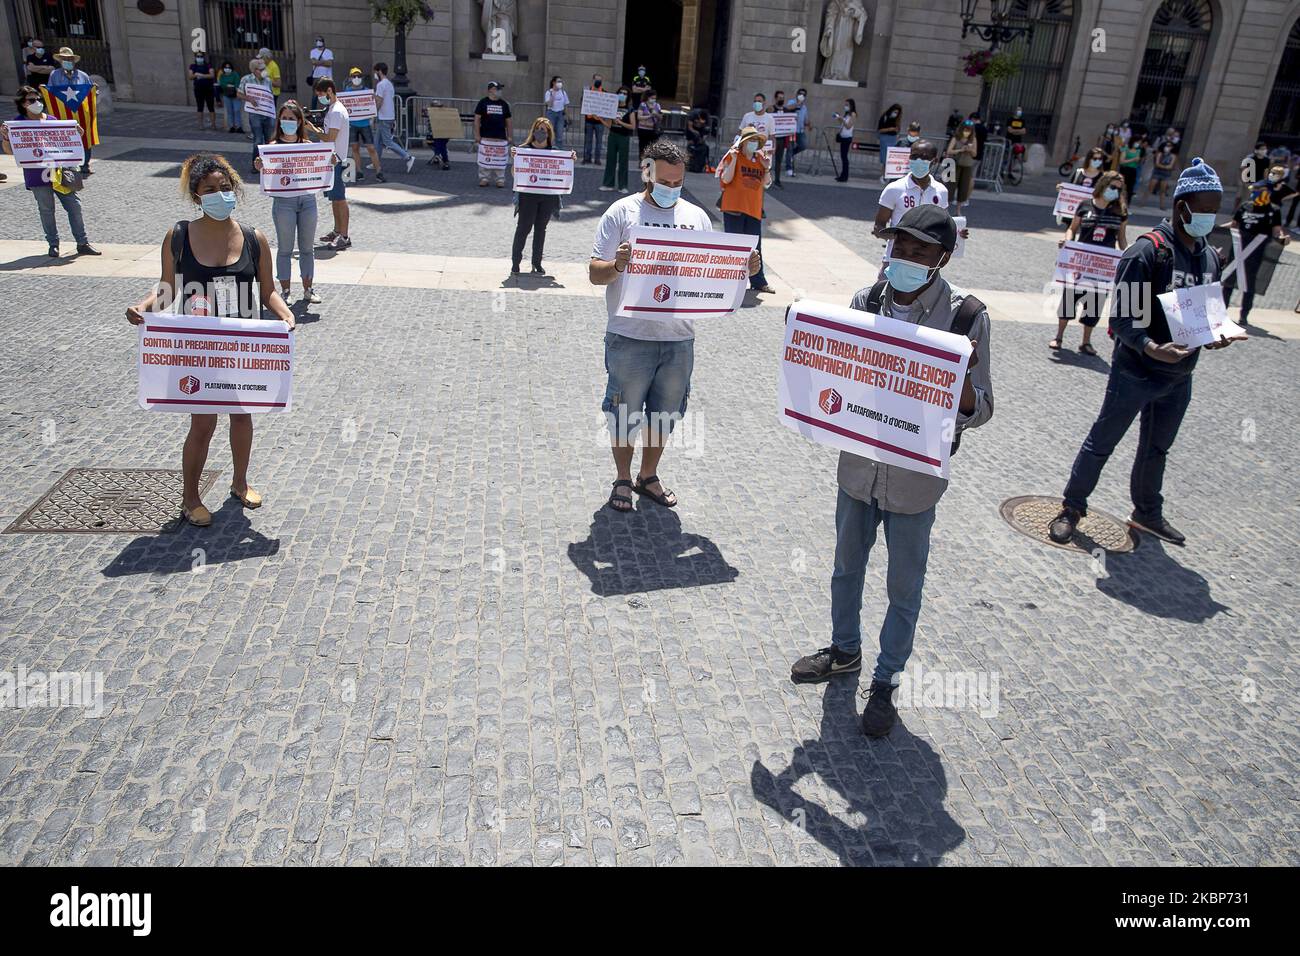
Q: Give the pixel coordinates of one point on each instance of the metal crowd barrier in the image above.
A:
(989, 171)
(414, 124)
(860, 153)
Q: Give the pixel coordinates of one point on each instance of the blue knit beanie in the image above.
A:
(1197, 178)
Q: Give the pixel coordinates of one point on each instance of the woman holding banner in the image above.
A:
(621, 128)
(534, 209)
(1098, 222)
(44, 185)
(294, 215)
(189, 286)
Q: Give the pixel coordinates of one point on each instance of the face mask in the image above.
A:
(290, 127)
(218, 206)
(1110, 195)
(652, 102)
(320, 44)
(640, 71)
(1261, 153)
(920, 168)
(376, 77)
(758, 106)
(323, 99)
(665, 196)
(912, 139)
(559, 85)
(1094, 165)
(541, 139)
(34, 108)
(356, 81)
(800, 97)
(846, 108)
(1168, 148)
(198, 59)
(1200, 225)
(622, 97)
(750, 148)
(1018, 114)
(1274, 178)
(69, 65)
(906, 276)
(225, 69)
(40, 51)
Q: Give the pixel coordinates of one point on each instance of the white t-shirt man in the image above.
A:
(612, 231)
(317, 54)
(386, 96)
(906, 193)
(336, 117)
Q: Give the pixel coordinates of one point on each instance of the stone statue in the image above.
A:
(845, 21)
(499, 26)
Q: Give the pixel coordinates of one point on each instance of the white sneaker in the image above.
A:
(606, 189)
(311, 296)
(410, 161)
(286, 295)
(790, 173)
(370, 165)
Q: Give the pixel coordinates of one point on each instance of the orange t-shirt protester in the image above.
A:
(744, 174)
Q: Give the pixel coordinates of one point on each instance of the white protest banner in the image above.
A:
(783, 123)
(259, 101)
(1068, 199)
(1197, 315)
(493, 153)
(684, 273)
(960, 249)
(896, 161)
(1086, 266)
(874, 386)
(45, 144)
(599, 103)
(360, 104)
(548, 171)
(1239, 256)
(207, 365)
(296, 169)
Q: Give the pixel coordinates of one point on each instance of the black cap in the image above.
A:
(493, 85)
(929, 223)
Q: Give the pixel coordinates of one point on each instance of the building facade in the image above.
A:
(1223, 72)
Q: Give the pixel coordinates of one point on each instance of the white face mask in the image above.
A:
(799, 97)
(356, 81)
(34, 108)
(559, 84)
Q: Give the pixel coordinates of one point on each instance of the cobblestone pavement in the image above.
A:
(431, 645)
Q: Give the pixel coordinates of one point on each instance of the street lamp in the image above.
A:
(999, 30)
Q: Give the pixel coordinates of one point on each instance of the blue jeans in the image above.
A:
(800, 144)
(384, 129)
(593, 137)
(234, 111)
(742, 224)
(649, 383)
(557, 123)
(887, 141)
(440, 150)
(71, 204)
(908, 540)
(262, 128)
(294, 216)
(1161, 401)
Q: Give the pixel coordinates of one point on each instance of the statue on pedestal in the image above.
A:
(845, 21)
(499, 27)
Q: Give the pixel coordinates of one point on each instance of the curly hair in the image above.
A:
(666, 150)
(201, 165)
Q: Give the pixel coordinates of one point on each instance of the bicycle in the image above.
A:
(1067, 167)
(1016, 164)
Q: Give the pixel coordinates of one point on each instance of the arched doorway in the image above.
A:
(1036, 88)
(1281, 123)
(1175, 56)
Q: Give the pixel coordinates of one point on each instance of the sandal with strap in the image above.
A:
(664, 499)
(619, 502)
(1087, 349)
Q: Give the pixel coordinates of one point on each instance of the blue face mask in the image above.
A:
(290, 127)
(665, 196)
(920, 168)
(906, 276)
(218, 206)
(1201, 224)
(324, 100)
(1110, 194)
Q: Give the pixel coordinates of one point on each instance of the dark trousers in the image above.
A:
(644, 137)
(1132, 391)
(844, 159)
(778, 161)
(742, 224)
(535, 212)
(1251, 268)
(1092, 300)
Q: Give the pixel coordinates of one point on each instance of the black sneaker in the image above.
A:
(1063, 525)
(824, 665)
(54, 252)
(538, 271)
(1159, 527)
(880, 715)
(381, 177)
(86, 249)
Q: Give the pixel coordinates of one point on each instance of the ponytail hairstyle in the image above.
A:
(202, 165)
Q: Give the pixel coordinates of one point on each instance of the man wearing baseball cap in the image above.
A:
(872, 493)
(492, 121)
(1150, 376)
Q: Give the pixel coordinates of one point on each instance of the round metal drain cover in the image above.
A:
(1031, 515)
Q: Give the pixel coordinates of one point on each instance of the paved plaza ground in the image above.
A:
(433, 645)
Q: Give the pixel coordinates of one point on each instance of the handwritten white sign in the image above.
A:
(1197, 316)
(599, 103)
(260, 101)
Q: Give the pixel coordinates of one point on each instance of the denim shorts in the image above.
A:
(649, 383)
(339, 191)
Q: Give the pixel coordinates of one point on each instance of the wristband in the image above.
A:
(617, 269)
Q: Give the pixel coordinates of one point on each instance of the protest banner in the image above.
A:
(1068, 199)
(296, 169)
(1240, 255)
(546, 171)
(599, 103)
(1197, 316)
(896, 161)
(493, 153)
(960, 249)
(259, 101)
(684, 273)
(1086, 266)
(874, 386)
(445, 123)
(360, 104)
(783, 123)
(46, 144)
(205, 365)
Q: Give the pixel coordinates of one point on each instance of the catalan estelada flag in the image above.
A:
(78, 103)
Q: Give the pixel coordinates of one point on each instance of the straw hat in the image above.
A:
(65, 53)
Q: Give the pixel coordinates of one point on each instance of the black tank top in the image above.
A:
(225, 291)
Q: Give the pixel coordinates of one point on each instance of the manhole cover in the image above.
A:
(109, 500)
(1032, 514)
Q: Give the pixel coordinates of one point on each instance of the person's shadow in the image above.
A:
(896, 783)
(645, 550)
(230, 537)
(1077, 359)
(1153, 582)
